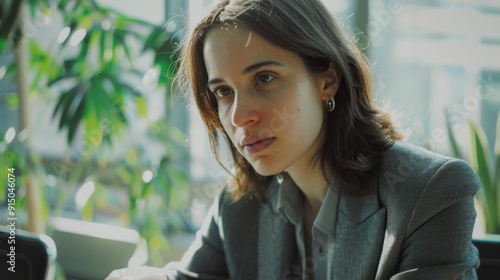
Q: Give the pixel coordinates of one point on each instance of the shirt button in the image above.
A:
(322, 250)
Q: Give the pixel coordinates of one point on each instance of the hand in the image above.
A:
(138, 273)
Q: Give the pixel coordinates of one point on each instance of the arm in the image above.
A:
(205, 258)
(438, 239)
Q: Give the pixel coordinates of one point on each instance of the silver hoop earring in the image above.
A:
(330, 104)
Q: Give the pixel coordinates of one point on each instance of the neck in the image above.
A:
(312, 184)
(307, 175)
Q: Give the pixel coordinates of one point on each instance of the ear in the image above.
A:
(329, 82)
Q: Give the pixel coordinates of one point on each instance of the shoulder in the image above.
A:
(410, 174)
(248, 208)
(232, 211)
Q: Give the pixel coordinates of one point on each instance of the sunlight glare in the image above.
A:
(10, 134)
(77, 37)
(63, 35)
(147, 176)
(84, 193)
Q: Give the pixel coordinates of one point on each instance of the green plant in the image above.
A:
(14, 156)
(90, 70)
(486, 167)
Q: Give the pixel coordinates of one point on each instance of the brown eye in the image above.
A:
(265, 78)
(222, 91)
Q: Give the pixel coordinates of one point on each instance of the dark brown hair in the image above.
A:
(357, 133)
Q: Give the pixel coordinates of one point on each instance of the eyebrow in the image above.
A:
(247, 70)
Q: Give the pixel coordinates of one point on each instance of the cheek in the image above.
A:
(309, 107)
(225, 118)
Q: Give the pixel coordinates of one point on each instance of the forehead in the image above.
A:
(232, 30)
(235, 46)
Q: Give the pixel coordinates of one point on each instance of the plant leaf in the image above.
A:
(60, 78)
(9, 18)
(85, 44)
(72, 28)
(2, 43)
(102, 45)
(33, 5)
(62, 4)
(77, 118)
(142, 110)
(451, 137)
(88, 209)
(497, 172)
(64, 100)
(481, 162)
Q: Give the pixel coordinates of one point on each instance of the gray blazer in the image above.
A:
(416, 224)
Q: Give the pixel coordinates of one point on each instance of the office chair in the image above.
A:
(489, 255)
(26, 256)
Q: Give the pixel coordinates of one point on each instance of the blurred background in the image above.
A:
(106, 161)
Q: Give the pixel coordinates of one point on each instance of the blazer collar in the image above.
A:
(359, 236)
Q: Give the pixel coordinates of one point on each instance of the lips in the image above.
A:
(255, 144)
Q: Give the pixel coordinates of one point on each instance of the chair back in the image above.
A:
(489, 255)
(26, 256)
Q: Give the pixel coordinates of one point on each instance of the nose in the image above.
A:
(245, 110)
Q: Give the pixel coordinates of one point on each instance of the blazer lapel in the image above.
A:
(359, 237)
(276, 245)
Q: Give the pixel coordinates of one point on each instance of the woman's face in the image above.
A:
(268, 103)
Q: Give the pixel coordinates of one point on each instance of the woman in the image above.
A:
(322, 187)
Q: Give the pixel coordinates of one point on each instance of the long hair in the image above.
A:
(357, 132)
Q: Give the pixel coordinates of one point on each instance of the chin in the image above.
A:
(266, 170)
